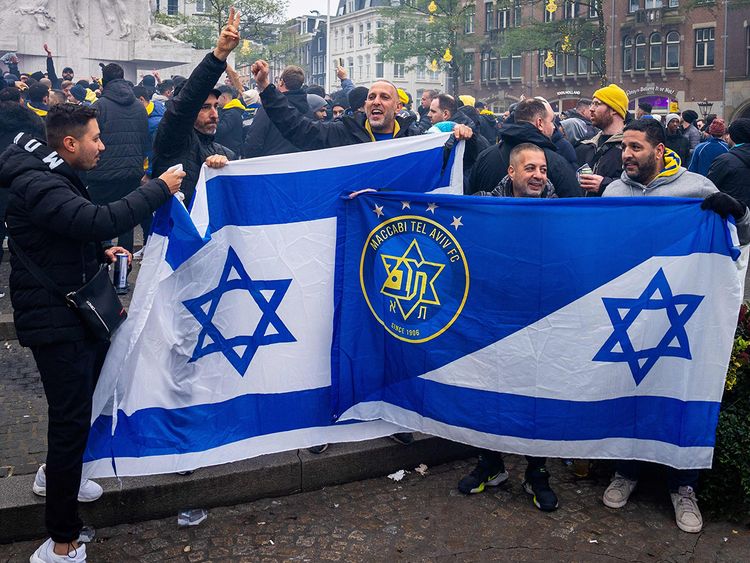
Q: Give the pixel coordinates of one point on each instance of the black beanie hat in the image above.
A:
(739, 130)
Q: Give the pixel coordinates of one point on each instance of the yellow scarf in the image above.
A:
(39, 112)
(235, 103)
(672, 164)
(396, 129)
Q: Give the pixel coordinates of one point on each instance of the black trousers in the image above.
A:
(69, 373)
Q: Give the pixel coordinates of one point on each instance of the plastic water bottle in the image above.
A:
(191, 517)
(87, 535)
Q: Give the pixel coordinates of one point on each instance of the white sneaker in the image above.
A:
(46, 554)
(618, 492)
(88, 492)
(686, 511)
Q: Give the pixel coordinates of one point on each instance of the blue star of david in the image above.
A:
(269, 318)
(641, 361)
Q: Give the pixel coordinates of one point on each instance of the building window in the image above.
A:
(640, 52)
(350, 66)
(349, 6)
(369, 32)
(485, 69)
(367, 66)
(583, 62)
(517, 13)
(503, 19)
(596, 53)
(493, 66)
(361, 35)
(653, 4)
(673, 49)
(704, 47)
(398, 70)
(515, 66)
(350, 37)
(421, 69)
(634, 5)
(627, 53)
(360, 64)
(200, 6)
(654, 51)
(173, 7)
(593, 13)
(489, 10)
(469, 68)
(548, 17)
(469, 23)
(559, 60)
(674, 3)
(540, 61)
(379, 67)
(571, 9)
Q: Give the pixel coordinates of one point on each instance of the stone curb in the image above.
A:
(160, 496)
(7, 328)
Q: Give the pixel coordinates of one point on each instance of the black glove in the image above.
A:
(725, 205)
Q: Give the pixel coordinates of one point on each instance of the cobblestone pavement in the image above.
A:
(424, 518)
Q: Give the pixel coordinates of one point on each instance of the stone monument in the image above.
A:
(81, 34)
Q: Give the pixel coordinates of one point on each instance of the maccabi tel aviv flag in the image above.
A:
(226, 353)
(580, 328)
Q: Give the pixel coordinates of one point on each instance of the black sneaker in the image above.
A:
(537, 485)
(485, 474)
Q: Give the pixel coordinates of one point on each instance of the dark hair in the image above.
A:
(293, 77)
(529, 110)
(479, 105)
(518, 149)
(315, 89)
(447, 103)
(10, 94)
(583, 103)
(357, 97)
(653, 130)
(64, 120)
(111, 72)
(37, 93)
(225, 89)
(141, 92)
(645, 106)
(84, 83)
(432, 93)
(58, 95)
(165, 86)
(67, 68)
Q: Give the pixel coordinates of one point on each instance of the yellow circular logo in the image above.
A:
(414, 277)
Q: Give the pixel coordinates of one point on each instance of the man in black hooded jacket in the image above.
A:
(186, 132)
(729, 171)
(124, 128)
(533, 123)
(52, 221)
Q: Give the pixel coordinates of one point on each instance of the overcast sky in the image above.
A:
(302, 7)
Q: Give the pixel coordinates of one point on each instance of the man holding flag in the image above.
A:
(651, 169)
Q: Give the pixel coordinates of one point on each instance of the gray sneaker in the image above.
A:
(618, 492)
(686, 511)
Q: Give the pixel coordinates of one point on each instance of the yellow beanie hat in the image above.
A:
(403, 96)
(615, 97)
(468, 100)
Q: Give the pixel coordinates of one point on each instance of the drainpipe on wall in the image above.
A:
(614, 50)
(725, 37)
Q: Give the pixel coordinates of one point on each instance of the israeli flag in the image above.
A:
(226, 353)
(580, 328)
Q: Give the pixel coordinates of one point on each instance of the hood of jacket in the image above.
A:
(15, 119)
(517, 133)
(672, 171)
(119, 92)
(155, 108)
(234, 104)
(28, 153)
(743, 153)
(616, 138)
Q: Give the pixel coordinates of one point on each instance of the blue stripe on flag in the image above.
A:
(161, 431)
(642, 417)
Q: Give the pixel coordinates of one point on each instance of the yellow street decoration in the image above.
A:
(549, 62)
(245, 50)
(447, 57)
(566, 46)
(434, 65)
(432, 8)
(551, 6)
(431, 19)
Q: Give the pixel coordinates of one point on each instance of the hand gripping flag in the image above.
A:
(226, 353)
(567, 328)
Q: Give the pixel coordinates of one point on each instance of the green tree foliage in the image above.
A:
(560, 35)
(413, 32)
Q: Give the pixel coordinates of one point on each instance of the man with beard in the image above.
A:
(602, 153)
(650, 169)
(675, 141)
(186, 132)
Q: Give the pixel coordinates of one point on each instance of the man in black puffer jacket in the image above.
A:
(533, 123)
(53, 222)
(124, 126)
(186, 132)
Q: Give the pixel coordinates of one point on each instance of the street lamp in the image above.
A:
(705, 107)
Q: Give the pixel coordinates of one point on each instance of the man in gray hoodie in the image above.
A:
(651, 169)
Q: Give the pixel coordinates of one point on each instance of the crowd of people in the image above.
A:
(86, 161)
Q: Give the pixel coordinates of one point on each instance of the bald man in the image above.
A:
(378, 123)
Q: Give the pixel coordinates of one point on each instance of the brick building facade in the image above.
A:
(656, 50)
